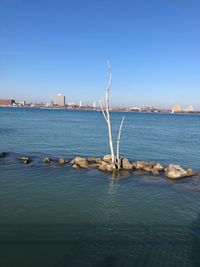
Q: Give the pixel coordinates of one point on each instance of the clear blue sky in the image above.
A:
(50, 47)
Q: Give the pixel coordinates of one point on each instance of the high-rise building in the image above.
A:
(59, 100)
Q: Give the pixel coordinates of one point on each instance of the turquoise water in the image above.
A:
(54, 215)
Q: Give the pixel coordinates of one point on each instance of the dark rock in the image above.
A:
(2, 154)
(26, 160)
(46, 160)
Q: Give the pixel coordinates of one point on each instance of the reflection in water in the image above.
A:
(120, 174)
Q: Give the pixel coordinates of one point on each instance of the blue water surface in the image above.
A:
(53, 215)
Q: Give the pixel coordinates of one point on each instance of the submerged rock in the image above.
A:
(177, 172)
(93, 165)
(81, 162)
(126, 164)
(62, 160)
(26, 160)
(2, 154)
(120, 174)
(46, 160)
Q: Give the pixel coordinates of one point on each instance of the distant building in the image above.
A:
(20, 102)
(80, 104)
(189, 109)
(71, 104)
(6, 102)
(59, 100)
(176, 109)
(135, 109)
(94, 104)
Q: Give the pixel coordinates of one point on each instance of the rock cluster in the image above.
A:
(152, 167)
(125, 166)
(105, 164)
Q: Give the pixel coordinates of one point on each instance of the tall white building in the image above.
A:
(59, 100)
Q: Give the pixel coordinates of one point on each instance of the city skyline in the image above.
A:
(59, 100)
(63, 47)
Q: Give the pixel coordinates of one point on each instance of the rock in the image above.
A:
(81, 162)
(75, 166)
(155, 171)
(158, 167)
(46, 160)
(139, 165)
(62, 160)
(105, 166)
(190, 172)
(177, 172)
(94, 165)
(94, 159)
(98, 160)
(72, 161)
(26, 160)
(126, 164)
(107, 158)
(2, 154)
(147, 168)
(91, 159)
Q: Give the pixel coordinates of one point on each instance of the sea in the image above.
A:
(56, 216)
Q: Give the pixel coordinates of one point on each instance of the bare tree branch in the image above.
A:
(118, 141)
(104, 114)
(110, 76)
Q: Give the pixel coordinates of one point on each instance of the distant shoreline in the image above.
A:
(125, 110)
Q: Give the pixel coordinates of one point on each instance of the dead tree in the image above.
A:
(105, 108)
